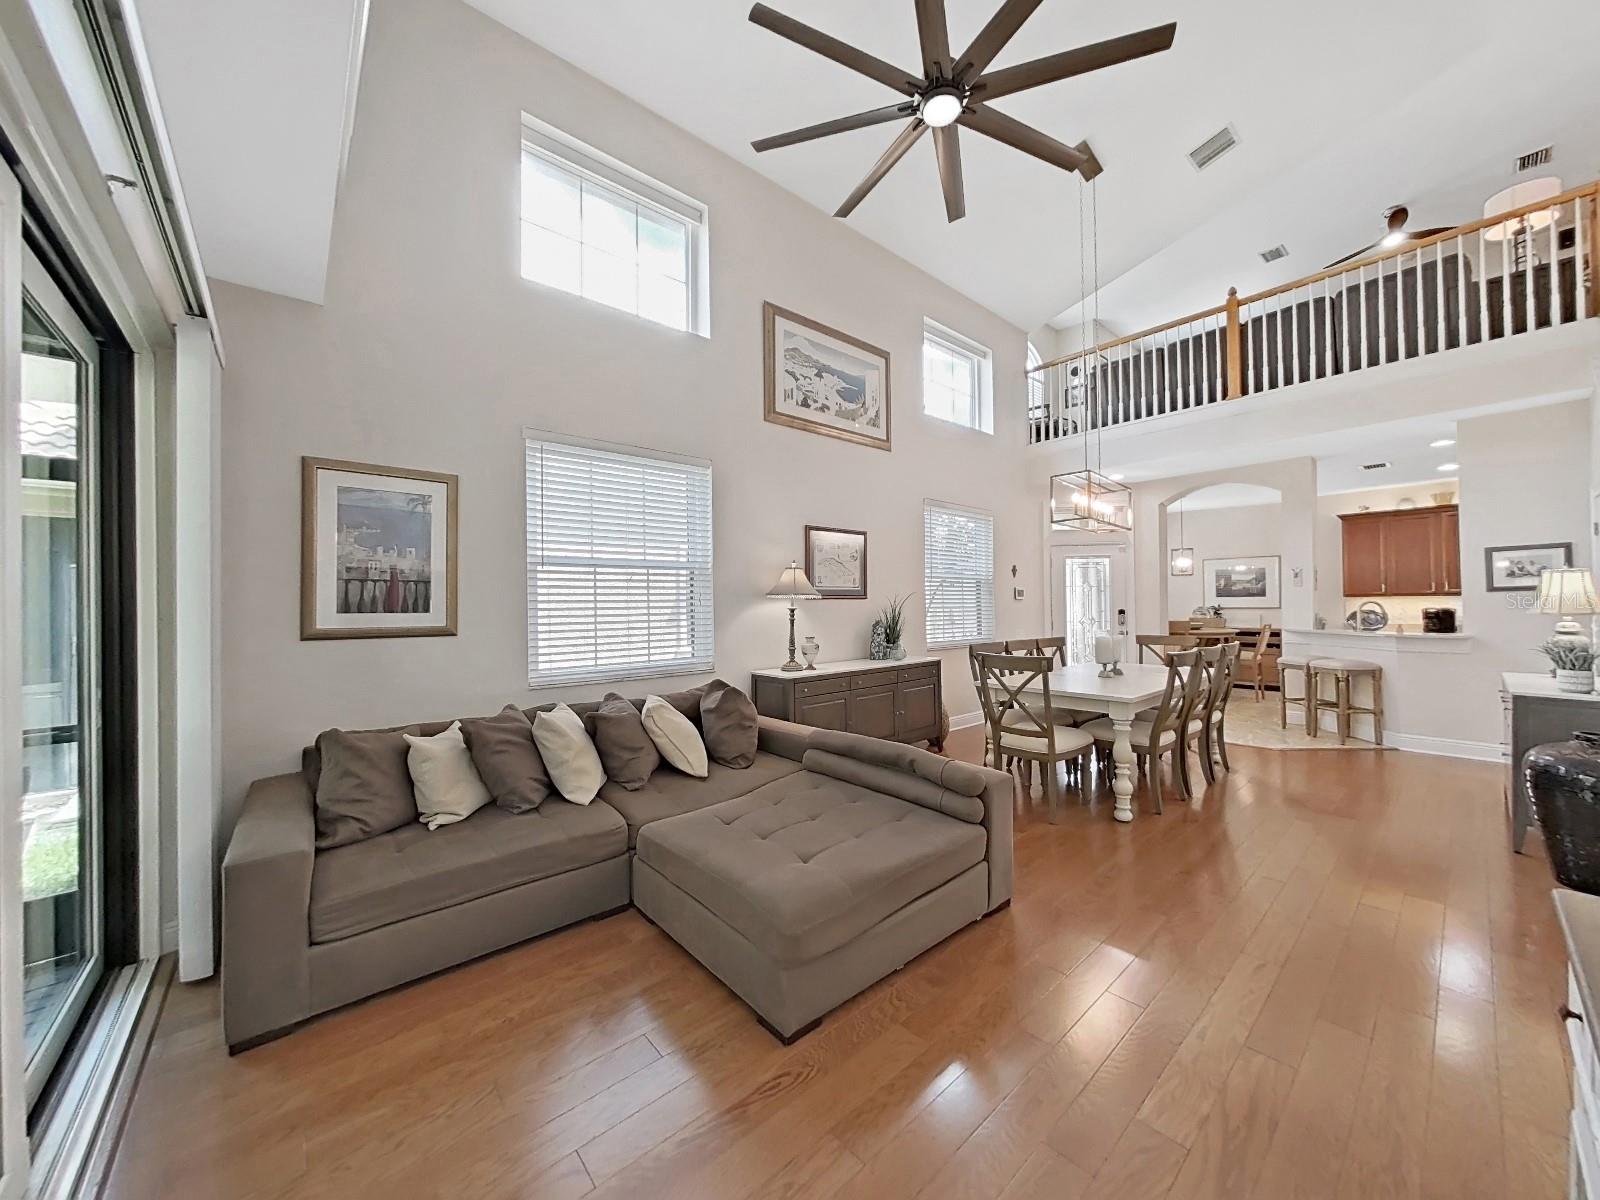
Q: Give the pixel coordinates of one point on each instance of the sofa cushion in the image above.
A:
(364, 788)
(507, 760)
(412, 871)
(447, 786)
(803, 865)
(626, 751)
(677, 738)
(670, 793)
(730, 724)
(569, 754)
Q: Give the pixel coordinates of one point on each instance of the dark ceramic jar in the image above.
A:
(1564, 781)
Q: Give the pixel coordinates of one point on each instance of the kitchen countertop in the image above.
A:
(1379, 633)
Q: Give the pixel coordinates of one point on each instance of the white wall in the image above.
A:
(431, 352)
(1245, 531)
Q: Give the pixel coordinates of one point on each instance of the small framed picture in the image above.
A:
(824, 381)
(1242, 582)
(1517, 568)
(836, 562)
(377, 551)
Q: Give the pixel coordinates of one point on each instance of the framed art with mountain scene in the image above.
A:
(377, 551)
(825, 381)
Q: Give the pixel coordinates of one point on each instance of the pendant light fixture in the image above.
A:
(1182, 557)
(1090, 501)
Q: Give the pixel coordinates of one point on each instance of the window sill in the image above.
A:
(624, 675)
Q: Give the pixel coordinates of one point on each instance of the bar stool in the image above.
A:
(1343, 671)
(1303, 666)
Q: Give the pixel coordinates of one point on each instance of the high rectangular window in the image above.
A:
(956, 383)
(958, 574)
(596, 228)
(619, 562)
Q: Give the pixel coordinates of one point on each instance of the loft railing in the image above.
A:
(1518, 271)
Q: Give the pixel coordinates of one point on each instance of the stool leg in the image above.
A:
(1283, 698)
(1313, 690)
(1342, 693)
(1377, 707)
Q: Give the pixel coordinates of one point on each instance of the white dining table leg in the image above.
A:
(1122, 756)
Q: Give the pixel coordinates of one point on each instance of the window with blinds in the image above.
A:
(958, 574)
(619, 562)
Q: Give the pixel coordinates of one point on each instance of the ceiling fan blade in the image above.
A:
(992, 38)
(876, 116)
(933, 32)
(947, 145)
(1353, 254)
(1416, 235)
(831, 47)
(1029, 140)
(896, 151)
(1080, 61)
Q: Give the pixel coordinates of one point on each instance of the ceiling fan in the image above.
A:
(1395, 235)
(955, 90)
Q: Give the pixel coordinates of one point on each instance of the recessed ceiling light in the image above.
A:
(1441, 443)
(1449, 466)
(1116, 476)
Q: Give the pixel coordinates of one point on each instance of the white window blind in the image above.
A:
(958, 574)
(619, 562)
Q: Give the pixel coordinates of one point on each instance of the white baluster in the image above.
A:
(1505, 282)
(1555, 269)
(1361, 296)
(1461, 293)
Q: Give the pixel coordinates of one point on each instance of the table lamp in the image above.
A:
(1568, 592)
(793, 585)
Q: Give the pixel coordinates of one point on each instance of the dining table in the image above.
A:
(1121, 697)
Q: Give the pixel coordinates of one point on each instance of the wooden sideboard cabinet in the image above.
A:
(900, 701)
(1406, 552)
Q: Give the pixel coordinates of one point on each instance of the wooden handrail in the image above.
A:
(1235, 302)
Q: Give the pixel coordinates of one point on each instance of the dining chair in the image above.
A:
(1169, 729)
(1014, 690)
(1055, 649)
(1255, 661)
(1219, 662)
(991, 756)
(1160, 644)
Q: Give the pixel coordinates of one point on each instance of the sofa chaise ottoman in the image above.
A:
(811, 888)
(305, 931)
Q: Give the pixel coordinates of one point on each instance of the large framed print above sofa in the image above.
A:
(377, 551)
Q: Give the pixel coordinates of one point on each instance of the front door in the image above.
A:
(1084, 597)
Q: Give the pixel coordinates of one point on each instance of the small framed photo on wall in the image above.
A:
(836, 562)
(1517, 568)
(1242, 582)
(377, 551)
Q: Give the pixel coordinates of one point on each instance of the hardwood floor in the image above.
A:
(1326, 977)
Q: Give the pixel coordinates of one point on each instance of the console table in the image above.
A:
(1535, 713)
(900, 701)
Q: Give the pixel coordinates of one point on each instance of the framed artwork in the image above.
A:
(824, 381)
(1242, 582)
(836, 562)
(1517, 568)
(377, 551)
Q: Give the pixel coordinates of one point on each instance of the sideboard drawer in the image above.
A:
(871, 679)
(821, 687)
(913, 674)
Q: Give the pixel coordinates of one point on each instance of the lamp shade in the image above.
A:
(793, 585)
(1567, 591)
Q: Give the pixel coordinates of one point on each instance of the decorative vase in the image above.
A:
(1563, 778)
(896, 651)
(878, 645)
(1574, 681)
(808, 651)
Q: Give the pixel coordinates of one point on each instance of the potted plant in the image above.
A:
(1574, 664)
(893, 618)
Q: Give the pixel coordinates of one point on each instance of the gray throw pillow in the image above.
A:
(687, 702)
(626, 751)
(728, 720)
(508, 762)
(364, 787)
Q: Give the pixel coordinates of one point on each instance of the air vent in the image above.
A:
(1213, 148)
(1378, 466)
(1277, 252)
(1534, 158)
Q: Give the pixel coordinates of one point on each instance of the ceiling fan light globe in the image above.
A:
(941, 107)
(1393, 238)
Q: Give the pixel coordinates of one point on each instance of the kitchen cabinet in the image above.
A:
(1407, 552)
(899, 701)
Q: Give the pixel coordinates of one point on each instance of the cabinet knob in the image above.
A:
(1566, 1013)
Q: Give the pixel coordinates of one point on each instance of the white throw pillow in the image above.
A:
(569, 754)
(675, 736)
(447, 785)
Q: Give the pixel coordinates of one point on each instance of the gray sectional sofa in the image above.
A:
(828, 863)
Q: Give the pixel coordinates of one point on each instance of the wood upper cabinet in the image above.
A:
(1408, 552)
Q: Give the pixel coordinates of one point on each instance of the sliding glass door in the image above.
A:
(62, 833)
